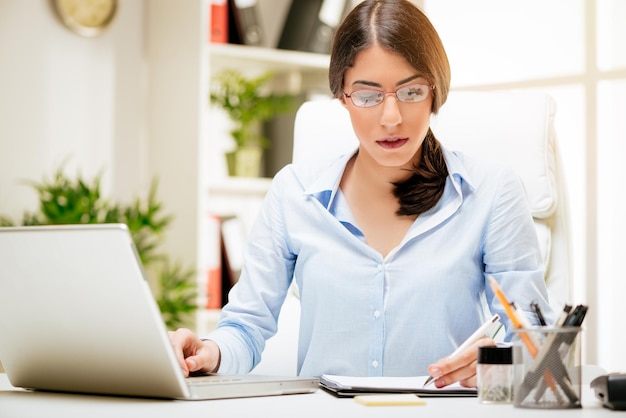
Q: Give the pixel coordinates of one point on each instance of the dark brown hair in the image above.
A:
(402, 28)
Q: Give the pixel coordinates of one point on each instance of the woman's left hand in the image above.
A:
(460, 368)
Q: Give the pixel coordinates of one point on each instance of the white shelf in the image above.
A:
(257, 186)
(229, 55)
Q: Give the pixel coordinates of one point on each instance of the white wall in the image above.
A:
(177, 102)
(69, 99)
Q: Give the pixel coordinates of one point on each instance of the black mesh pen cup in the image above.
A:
(547, 368)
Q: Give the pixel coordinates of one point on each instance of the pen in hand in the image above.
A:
(478, 334)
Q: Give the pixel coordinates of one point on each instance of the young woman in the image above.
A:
(390, 245)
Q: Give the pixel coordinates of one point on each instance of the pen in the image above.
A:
(576, 317)
(523, 319)
(564, 315)
(480, 332)
(521, 316)
(535, 307)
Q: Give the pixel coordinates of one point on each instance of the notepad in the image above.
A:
(350, 386)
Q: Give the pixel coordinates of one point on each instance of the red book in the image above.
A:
(213, 272)
(218, 26)
(214, 289)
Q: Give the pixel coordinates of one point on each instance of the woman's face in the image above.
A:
(390, 133)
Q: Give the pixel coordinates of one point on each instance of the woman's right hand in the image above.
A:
(194, 354)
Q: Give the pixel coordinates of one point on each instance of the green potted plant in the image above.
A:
(248, 104)
(76, 201)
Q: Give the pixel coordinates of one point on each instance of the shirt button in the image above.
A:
(376, 314)
(375, 364)
(380, 267)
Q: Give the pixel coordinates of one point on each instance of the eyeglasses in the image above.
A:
(410, 94)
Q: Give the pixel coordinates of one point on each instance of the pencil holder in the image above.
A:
(546, 368)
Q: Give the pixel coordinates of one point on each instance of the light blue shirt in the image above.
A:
(365, 315)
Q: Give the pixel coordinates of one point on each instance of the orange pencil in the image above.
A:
(511, 314)
(532, 349)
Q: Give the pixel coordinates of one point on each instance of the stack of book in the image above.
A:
(297, 25)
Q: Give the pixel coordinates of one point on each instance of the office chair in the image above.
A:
(515, 128)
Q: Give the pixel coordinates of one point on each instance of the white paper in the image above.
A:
(389, 383)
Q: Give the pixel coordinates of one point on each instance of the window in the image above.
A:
(576, 51)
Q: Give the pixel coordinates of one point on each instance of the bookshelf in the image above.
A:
(186, 137)
(301, 73)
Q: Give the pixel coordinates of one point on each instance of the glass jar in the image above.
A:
(494, 374)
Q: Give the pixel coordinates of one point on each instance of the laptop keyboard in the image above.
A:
(196, 380)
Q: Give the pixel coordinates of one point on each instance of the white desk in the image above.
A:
(18, 403)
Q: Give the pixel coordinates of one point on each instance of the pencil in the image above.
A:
(508, 308)
(532, 349)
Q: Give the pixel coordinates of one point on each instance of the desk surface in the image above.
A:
(18, 403)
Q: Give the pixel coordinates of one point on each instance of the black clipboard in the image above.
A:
(343, 391)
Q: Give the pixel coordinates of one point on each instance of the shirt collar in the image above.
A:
(324, 188)
(458, 172)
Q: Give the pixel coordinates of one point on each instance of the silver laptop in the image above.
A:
(77, 315)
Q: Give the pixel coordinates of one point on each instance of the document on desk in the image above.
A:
(349, 386)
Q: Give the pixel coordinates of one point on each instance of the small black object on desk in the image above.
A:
(610, 389)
